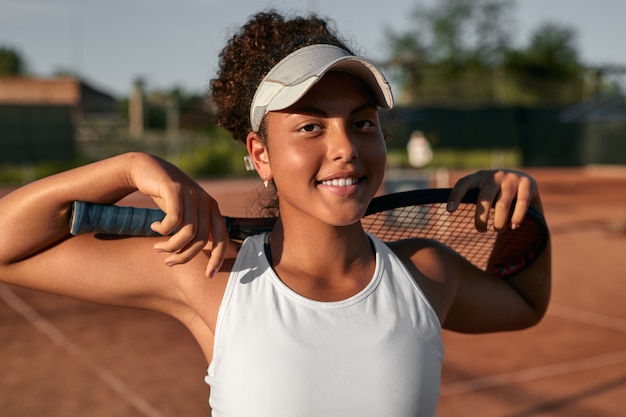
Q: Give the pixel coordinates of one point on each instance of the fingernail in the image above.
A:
(450, 206)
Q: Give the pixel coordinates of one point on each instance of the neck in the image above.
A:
(322, 262)
(310, 243)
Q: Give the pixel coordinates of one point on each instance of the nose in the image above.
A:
(342, 146)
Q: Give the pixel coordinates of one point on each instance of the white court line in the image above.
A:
(564, 368)
(525, 375)
(531, 374)
(58, 338)
(587, 317)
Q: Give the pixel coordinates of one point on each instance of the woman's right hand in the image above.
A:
(188, 208)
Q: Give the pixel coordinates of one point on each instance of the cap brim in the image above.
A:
(296, 74)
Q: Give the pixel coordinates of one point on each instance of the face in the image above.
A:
(327, 152)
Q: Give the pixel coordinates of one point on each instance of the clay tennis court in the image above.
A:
(60, 357)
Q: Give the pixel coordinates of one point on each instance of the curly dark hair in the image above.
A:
(251, 53)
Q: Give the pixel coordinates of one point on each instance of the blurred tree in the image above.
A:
(461, 51)
(11, 62)
(452, 49)
(549, 68)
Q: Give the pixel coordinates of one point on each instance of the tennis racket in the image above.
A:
(391, 217)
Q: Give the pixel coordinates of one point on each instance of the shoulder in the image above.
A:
(433, 259)
(435, 268)
(196, 290)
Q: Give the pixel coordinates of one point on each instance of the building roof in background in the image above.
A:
(62, 91)
(30, 90)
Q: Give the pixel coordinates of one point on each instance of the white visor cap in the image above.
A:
(295, 74)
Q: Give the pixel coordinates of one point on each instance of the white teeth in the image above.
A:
(340, 182)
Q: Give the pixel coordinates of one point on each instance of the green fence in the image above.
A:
(541, 137)
(30, 134)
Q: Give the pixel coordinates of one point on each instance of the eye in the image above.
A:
(363, 124)
(311, 127)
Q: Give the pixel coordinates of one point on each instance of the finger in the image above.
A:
(519, 213)
(502, 209)
(181, 241)
(174, 216)
(216, 259)
(212, 225)
(186, 254)
(481, 215)
(166, 226)
(460, 189)
(186, 233)
(219, 248)
(525, 193)
(484, 207)
(186, 248)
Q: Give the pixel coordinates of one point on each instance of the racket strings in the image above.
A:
(501, 253)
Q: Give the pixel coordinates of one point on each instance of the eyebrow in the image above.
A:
(319, 112)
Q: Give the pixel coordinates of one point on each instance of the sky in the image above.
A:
(176, 43)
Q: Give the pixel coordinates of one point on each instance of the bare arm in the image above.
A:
(469, 300)
(478, 301)
(36, 250)
(36, 215)
(484, 303)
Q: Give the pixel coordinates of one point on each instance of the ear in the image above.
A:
(259, 155)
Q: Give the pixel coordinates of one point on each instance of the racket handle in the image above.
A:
(134, 221)
(113, 220)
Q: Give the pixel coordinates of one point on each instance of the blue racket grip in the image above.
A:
(113, 220)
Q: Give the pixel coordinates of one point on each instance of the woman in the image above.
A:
(315, 317)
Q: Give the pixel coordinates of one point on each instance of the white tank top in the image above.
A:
(276, 353)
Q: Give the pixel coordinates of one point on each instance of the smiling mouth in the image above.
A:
(340, 182)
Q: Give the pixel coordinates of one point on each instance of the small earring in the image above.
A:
(265, 181)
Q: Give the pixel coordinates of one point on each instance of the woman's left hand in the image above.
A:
(498, 190)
